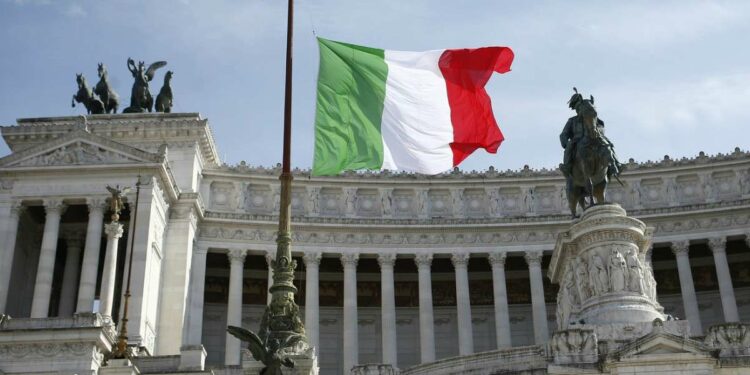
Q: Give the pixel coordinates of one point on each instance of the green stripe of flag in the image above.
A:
(351, 93)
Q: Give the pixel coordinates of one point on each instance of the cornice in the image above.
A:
(632, 167)
(135, 128)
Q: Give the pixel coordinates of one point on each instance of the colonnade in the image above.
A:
(386, 261)
(88, 247)
(78, 288)
(423, 263)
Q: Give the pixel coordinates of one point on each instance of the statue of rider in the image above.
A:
(572, 134)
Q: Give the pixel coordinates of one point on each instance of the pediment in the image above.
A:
(661, 343)
(79, 148)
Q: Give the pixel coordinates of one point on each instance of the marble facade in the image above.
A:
(398, 269)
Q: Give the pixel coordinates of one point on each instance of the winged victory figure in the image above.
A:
(115, 203)
(140, 97)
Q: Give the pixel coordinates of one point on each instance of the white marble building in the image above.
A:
(392, 268)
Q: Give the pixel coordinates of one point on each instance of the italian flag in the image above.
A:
(421, 112)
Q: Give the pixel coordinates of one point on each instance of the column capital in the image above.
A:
(270, 257)
(113, 230)
(497, 259)
(74, 240)
(199, 249)
(534, 258)
(237, 256)
(349, 259)
(681, 247)
(423, 260)
(312, 259)
(386, 260)
(17, 208)
(460, 259)
(96, 204)
(717, 244)
(54, 206)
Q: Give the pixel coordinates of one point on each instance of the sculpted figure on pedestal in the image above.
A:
(598, 275)
(313, 200)
(566, 300)
(617, 271)
(386, 199)
(582, 279)
(458, 202)
(635, 272)
(116, 201)
(589, 159)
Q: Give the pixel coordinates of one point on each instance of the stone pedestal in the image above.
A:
(600, 266)
(119, 367)
(192, 358)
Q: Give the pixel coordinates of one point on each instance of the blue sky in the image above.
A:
(668, 77)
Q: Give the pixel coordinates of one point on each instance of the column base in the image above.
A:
(192, 358)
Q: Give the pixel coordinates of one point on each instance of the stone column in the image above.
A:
(500, 294)
(388, 308)
(270, 257)
(67, 304)
(234, 305)
(718, 246)
(351, 333)
(538, 306)
(8, 251)
(463, 304)
(312, 299)
(194, 321)
(426, 317)
(90, 265)
(109, 272)
(44, 273)
(681, 250)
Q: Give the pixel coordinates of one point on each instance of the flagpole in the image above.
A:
(281, 319)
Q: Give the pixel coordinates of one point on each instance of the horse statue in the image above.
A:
(590, 160)
(164, 99)
(109, 97)
(84, 95)
(140, 97)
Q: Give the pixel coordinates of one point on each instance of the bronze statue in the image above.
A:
(86, 96)
(269, 353)
(589, 160)
(140, 98)
(116, 201)
(108, 96)
(164, 99)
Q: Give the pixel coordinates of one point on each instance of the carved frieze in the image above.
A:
(732, 339)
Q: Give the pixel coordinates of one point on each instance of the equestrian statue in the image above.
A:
(108, 96)
(164, 99)
(93, 104)
(140, 98)
(589, 160)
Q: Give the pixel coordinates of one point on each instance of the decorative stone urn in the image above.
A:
(600, 265)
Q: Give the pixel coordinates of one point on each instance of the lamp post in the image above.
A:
(120, 350)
